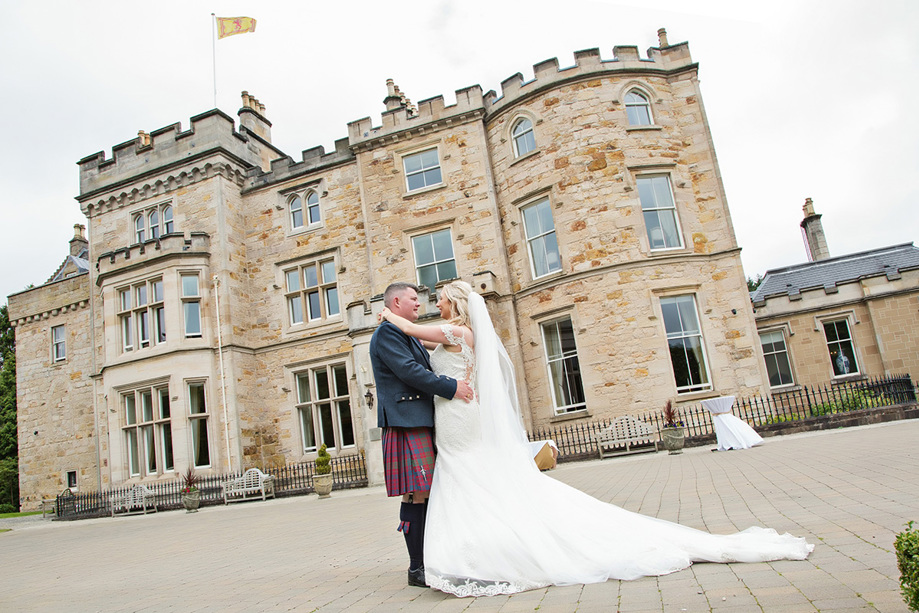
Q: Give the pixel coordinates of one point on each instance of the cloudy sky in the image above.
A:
(805, 98)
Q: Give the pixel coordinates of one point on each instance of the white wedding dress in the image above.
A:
(496, 525)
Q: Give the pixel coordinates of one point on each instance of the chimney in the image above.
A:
(78, 243)
(395, 99)
(252, 117)
(814, 238)
(662, 38)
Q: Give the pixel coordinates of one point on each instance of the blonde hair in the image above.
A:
(457, 292)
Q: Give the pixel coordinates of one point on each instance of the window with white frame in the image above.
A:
(191, 305)
(300, 218)
(659, 211)
(434, 261)
(198, 422)
(422, 169)
(638, 109)
(142, 315)
(153, 222)
(564, 366)
(523, 137)
(312, 291)
(324, 408)
(775, 352)
(541, 240)
(58, 343)
(842, 351)
(147, 431)
(684, 339)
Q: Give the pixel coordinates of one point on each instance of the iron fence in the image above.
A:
(290, 480)
(577, 441)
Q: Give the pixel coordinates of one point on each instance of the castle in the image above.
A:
(218, 314)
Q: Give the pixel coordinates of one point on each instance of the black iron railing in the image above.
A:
(291, 480)
(576, 441)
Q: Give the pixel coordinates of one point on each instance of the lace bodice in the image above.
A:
(456, 422)
(458, 365)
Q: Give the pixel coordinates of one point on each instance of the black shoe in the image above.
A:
(416, 577)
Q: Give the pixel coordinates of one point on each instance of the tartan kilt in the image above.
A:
(408, 460)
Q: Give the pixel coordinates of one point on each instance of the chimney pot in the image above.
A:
(662, 37)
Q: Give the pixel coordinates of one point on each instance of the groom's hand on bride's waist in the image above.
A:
(464, 391)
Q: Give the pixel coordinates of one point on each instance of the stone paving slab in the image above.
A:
(849, 491)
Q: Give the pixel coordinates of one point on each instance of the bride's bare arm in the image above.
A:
(430, 336)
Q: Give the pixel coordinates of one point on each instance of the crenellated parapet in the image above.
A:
(401, 123)
(314, 159)
(170, 147)
(160, 185)
(664, 60)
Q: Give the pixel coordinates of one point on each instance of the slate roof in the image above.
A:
(831, 272)
(81, 264)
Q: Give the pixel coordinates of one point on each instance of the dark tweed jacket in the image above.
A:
(405, 384)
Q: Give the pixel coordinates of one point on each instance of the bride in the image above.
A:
(497, 525)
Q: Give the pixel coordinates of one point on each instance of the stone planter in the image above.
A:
(191, 500)
(323, 485)
(673, 439)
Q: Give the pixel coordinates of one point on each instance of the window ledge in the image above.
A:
(423, 190)
(306, 229)
(667, 251)
(644, 128)
(534, 153)
(579, 414)
(784, 389)
(314, 325)
(842, 379)
(701, 395)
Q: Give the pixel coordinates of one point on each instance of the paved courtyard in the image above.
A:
(848, 491)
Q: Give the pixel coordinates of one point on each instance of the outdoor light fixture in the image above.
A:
(369, 398)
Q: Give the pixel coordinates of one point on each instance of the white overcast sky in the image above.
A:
(805, 98)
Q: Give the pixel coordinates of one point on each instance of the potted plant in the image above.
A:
(907, 547)
(322, 480)
(672, 433)
(191, 497)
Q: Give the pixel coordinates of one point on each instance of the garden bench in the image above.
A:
(626, 431)
(139, 499)
(252, 482)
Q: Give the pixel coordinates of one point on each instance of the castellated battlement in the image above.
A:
(666, 59)
(154, 153)
(284, 168)
(402, 122)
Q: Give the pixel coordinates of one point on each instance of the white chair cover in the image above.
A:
(732, 432)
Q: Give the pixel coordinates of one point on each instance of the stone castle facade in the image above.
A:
(231, 292)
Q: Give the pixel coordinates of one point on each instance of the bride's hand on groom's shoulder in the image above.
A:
(382, 316)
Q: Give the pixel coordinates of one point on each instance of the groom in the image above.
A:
(405, 410)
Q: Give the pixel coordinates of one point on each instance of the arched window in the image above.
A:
(296, 212)
(524, 139)
(312, 208)
(168, 226)
(638, 108)
(139, 227)
(154, 218)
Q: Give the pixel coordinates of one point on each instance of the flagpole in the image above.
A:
(214, 53)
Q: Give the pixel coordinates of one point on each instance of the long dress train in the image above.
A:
(496, 525)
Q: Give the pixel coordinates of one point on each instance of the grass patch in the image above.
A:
(8, 515)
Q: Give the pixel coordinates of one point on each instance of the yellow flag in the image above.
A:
(228, 26)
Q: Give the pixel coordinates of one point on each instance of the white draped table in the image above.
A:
(732, 432)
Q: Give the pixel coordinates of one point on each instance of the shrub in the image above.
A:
(8, 508)
(907, 546)
(323, 466)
